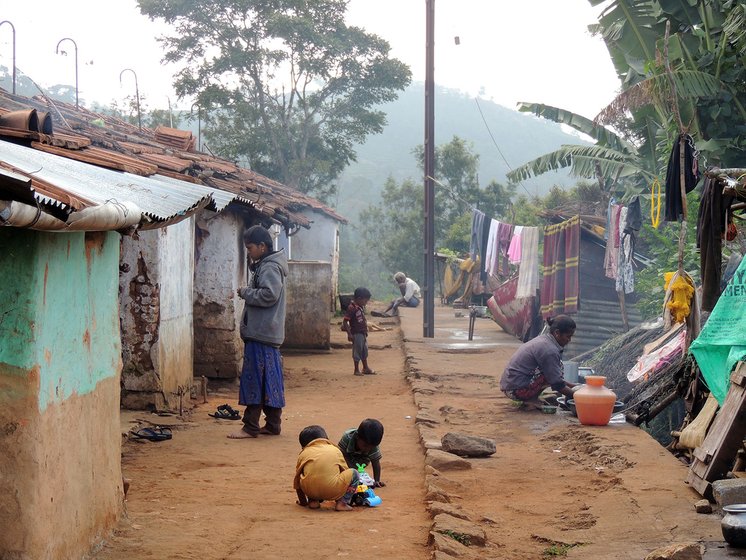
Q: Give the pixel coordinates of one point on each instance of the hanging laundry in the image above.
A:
(528, 273)
(560, 286)
(634, 216)
(514, 251)
(678, 300)
(504, 237)
(475, 244)
(612, 241)
(492, 253)
(625, 274)
(713, 209)
(674, 204)
(486, 223)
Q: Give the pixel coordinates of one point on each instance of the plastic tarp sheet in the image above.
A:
(722, 341)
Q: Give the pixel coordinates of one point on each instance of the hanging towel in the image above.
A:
(475, 244)
(528, 273)
(560, 287)
(612, 242)
(505, 236)
(490, 259)
(483, 253)
(514, 250)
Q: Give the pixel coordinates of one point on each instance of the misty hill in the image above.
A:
(519, 136)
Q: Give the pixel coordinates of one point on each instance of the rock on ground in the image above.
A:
(467, 446)
(679, 551)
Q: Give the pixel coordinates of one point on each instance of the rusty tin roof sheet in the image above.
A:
(112, 143)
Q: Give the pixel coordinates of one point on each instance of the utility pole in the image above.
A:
(428, 326)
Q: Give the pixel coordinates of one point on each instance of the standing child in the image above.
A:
(356, 325)
(361, 446)
(321, 473)
(263, 331)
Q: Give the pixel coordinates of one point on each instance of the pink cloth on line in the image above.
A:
(514, 251)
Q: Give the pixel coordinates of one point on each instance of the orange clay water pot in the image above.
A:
(594, 402)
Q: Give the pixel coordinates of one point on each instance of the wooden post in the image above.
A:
(623, 307)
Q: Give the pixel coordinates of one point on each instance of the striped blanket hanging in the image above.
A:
(560, 286)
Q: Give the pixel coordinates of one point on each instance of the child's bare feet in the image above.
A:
(340, 506)
(240, 434)
(358, 373)
(314, 504)
(369, 372)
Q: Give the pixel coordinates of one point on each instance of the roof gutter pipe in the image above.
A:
(108, 216)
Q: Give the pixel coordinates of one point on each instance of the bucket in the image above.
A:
(583, 372)
(571, 371)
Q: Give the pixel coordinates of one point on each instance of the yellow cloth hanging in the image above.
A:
(682, 290)
(448, 278)
(655, 210)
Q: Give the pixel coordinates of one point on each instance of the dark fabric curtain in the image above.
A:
(713, 209)
(674, 205)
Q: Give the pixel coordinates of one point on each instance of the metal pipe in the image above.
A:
(428, 327)
(199, 124)
(14, 51)
(137, 95)
(57, 51)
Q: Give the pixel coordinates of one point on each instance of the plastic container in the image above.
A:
(570, 371)
(594, 402)
(584, 372)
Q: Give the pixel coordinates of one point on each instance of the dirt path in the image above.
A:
(203, 496)
(552, 487)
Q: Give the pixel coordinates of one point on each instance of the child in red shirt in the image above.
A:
(356, 325)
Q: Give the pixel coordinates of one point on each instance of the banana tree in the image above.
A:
(611, 160)
(708, 39)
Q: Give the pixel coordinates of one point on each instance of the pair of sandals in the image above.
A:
(226, 412)
(156, 433)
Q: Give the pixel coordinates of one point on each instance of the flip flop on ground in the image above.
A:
(156, 433)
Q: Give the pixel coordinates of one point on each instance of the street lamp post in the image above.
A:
(428, 325)
(137, 95)
(57, 51)
(13, 28)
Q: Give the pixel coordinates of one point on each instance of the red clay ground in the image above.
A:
(553, 485)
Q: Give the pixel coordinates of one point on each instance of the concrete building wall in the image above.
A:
(220, 269)
(60, 446)
(319, 243)
(156, 287)
(308, 317)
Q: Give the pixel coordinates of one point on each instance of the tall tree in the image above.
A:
(288, 85)
(394, 227)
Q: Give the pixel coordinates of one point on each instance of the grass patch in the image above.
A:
(459, 537)
(557, 550)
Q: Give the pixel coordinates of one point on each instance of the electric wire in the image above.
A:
(498, 147)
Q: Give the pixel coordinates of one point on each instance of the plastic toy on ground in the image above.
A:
(365, 496)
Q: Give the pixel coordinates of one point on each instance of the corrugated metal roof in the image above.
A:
(161, 199)
(120, 145)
